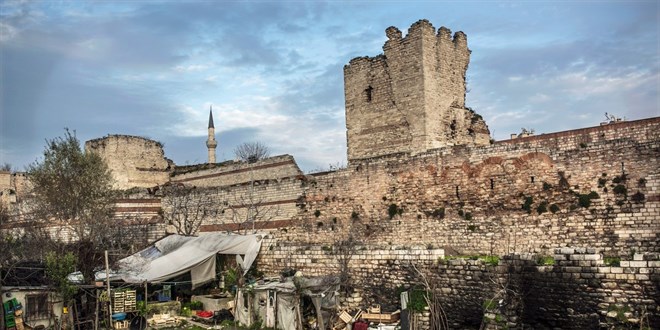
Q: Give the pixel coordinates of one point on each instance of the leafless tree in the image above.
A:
(344, 251)
(250, 210)
(431, 292)
(251, 152)
(186, 208)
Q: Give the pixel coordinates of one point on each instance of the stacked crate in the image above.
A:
(130, 301)
(118, 302)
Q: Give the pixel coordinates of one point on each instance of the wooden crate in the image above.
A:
(382, 318)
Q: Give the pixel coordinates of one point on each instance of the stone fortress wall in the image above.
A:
(134, 161)
(424, 181)
(411, 98)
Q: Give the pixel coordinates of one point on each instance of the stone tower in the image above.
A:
(210, 141)
(411, 98)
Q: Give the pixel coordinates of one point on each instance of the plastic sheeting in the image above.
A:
(175, 255)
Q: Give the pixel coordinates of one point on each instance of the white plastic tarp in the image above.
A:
(175, 255)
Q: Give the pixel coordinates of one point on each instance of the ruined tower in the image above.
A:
(210, 141)
(412, 97)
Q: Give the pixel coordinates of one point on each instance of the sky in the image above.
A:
(273, 70)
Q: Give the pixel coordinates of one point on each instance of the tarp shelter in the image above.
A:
(175, 255)
(277, 304)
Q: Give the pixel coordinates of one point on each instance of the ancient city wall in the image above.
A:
(470, 199)
(135, 161)
(234, 172)
(412, 98)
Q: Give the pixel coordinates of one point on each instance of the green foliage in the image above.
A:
(490, 304)
(491, 260)
(417, 300)
(326, 248)
(231, 277)
(317, 213)
(584, 200)
(593, 195)
(641, 182)
(71, 185)
(554, 208)
(58, 268)
(620, 178)
(392, 210)
(602, 182)
(542, 208)
(74, 188)
(355, 215)
(638, 197)
(620, 189)
(468, 216)
(546, 186)
(545, 260)
(471, 227)
(612, 261)
(527, 204)
(439, 213)
(583, 145)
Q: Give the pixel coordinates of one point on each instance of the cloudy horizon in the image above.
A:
(273, 71)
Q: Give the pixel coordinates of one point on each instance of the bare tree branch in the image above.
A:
(251, 152)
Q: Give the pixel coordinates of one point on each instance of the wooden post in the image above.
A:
(107, 280)
(96, 311)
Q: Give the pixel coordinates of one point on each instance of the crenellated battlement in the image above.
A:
(411, 98)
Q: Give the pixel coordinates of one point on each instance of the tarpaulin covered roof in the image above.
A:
(175, 255)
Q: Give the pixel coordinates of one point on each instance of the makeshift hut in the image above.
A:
(279, 304)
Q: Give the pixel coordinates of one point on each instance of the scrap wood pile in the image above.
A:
(360, 320)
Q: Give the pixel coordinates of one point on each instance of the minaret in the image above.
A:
(210, 141)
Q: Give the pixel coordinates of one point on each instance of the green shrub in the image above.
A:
(355, 215)
(554, 208)
(527, 204)
(612, 261)
(594, 195)
(417, 300)
(468, 216)
(620, 189)
(439, 213)
(546, 186)
(317, 213)
(460, 212)
(471, 227)
(545, 260)
(641, 182)
(542, 208)
(490, 304)
(583, 145)
(584, 200)
(392, 210)
(638, 197)
(491, 260)
(602, 182)
(620, 178)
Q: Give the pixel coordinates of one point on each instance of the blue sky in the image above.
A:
(273, 70)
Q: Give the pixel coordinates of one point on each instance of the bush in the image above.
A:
(354, 215)
(638, 197)
(468, 216)
(554, 208)
(584, 200)
(527, 205)
(594, 195)
(546, 186)
(317, 213)
(612, 261)
(602, 182)
(542, 208)
(392, 210)
(439, 213)
(491, 260)
(545, 260)
(641, 182)
(620, 189)
(471, 227)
